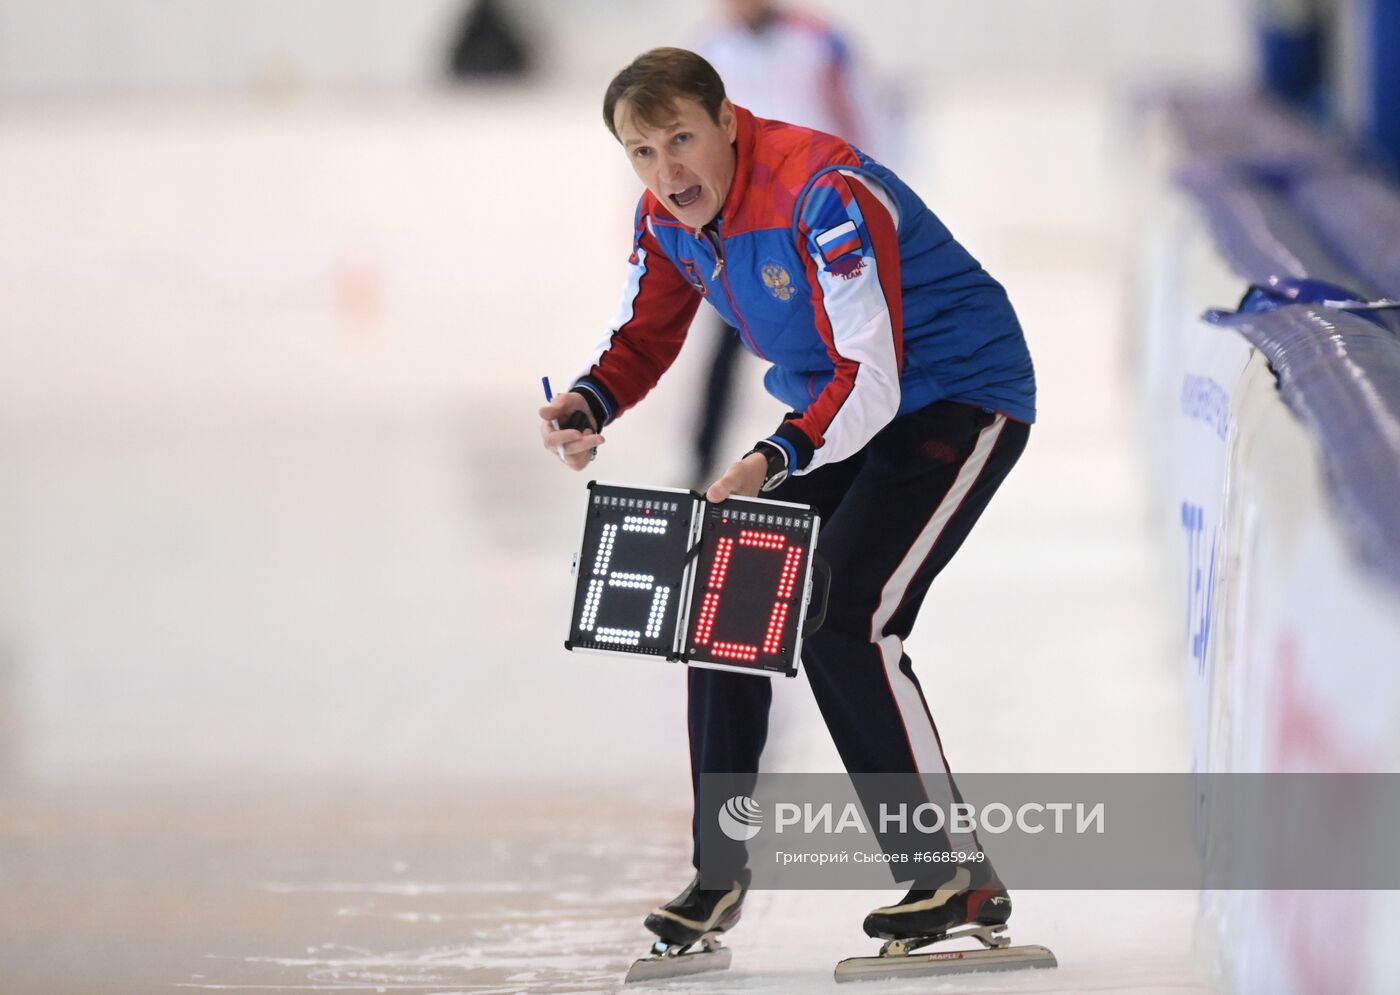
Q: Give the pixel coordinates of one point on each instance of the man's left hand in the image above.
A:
(743, 478)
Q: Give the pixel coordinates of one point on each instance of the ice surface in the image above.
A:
(283, 569)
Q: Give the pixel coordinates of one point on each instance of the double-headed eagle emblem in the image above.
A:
(778, 281)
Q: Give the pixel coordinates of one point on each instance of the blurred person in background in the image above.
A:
(788, 65)
(912, 393)
(488, 45)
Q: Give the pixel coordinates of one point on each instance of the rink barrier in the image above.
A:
(1284, 200)
(1241, 133)
(1287, 212)
(1272, 426)
(1252, 222)
(1340, 375)
(1359, 216)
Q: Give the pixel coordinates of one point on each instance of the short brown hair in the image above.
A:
(655, 80)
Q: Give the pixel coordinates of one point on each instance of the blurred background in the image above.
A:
(284, 572)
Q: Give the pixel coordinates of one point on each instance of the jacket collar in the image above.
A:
(744, 142)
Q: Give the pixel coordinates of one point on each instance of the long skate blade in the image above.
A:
(944, 962)
(659, 966)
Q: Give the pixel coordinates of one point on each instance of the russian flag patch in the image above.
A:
(837, 242)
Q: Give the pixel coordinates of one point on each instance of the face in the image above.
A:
(687, 162)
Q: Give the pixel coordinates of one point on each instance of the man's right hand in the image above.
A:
(576, 443)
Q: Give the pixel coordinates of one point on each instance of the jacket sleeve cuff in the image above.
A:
(601, 403)
(795, 443)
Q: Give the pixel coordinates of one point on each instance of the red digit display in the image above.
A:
(714, 595)
(745, 603)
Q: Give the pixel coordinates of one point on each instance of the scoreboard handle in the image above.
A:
(821, 572)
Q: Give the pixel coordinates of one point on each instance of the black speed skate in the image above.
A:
(970, 904)
(697, 911)
(934, 911)
(695, 916)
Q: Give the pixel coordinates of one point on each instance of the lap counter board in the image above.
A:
(661, 572)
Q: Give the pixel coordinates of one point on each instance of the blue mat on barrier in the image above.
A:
(1310, 231)
(1340, 374)
(1359, 216)
(1285, 201)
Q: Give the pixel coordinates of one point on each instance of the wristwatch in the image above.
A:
(777, 464)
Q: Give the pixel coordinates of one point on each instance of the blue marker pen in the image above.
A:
(548, 398)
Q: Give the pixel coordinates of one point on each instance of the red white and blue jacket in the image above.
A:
(836, 273)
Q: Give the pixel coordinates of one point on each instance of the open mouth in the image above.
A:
(687, 196)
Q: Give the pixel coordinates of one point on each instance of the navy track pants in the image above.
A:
(892, 517)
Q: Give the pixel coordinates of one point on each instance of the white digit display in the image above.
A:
(641, 582)
(629, 637)
(590, 604)
(605, 548)
(635, 523)
(634, 550)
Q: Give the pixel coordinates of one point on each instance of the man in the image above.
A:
(912, 394)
